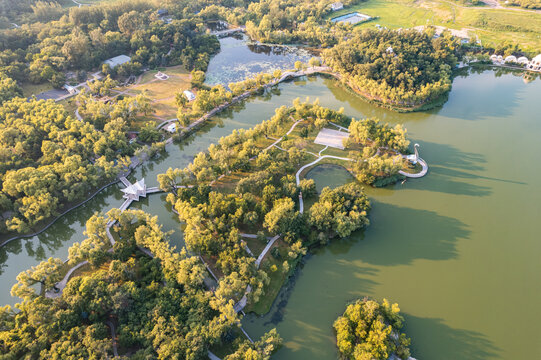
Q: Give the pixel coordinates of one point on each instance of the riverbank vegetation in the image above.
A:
(48, 160)
(217, 97)
(370, 330)
(158, 306)
(244, 186)
(405, 69)
(527, 4)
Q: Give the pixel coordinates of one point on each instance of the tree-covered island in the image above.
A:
(369, 330)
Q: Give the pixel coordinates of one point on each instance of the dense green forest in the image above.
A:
(527, 4)
(48, 159)
(369, 330)
(405, 68)
(159, 306)
(83, 38)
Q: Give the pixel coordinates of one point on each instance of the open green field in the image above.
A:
(161, 92)
(30, 89)
(490, 25)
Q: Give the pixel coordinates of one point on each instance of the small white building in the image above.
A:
(70, 89)
(172, 128)
(189, 95)
(535, 63)
(389, 50)
(117, 60)
(134, 191)
(337, 6)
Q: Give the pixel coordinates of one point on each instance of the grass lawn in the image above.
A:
(162, 92)
(256, 246)
(30, 89)
(490, 25)
(277, 278)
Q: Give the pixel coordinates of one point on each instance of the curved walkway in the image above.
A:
(24, 236)
(265, 250)
(419, 174)
(297, 175)
(62, 283)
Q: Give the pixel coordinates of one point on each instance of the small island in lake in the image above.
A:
(369, 330)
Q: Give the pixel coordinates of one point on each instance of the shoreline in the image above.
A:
(288, 75)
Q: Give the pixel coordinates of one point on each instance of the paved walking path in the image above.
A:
(113, 337)
(419, 174)
(266, 249)
(62, 283)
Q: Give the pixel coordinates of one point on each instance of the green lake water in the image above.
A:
(456, 249)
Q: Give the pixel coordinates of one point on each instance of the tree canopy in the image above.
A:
(404, 68)
(159, 306)
(371, 331)
(48, 159)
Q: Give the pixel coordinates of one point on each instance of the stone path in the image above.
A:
(212, 356)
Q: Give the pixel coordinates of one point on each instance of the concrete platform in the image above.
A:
(332, 138)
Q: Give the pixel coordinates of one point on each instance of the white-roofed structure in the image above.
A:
(172, 128)
(337, 6)
(117, 60)
(523, 60)
(135, 191)
(332, 138)
(189, 95)
(511, 59)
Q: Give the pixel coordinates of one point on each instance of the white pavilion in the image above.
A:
(135, 191)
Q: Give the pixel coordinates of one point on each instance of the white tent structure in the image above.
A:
(511, 59)
(523, 60)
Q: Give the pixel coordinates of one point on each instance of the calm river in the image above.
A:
(455, 249)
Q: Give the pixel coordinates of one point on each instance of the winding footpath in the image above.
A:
(113, 337)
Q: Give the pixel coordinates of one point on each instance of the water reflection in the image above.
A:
(238, 60)
(448, 343)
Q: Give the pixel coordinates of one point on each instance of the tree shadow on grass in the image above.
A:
(432, 339)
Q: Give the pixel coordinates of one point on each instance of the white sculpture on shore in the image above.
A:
(415, 157)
